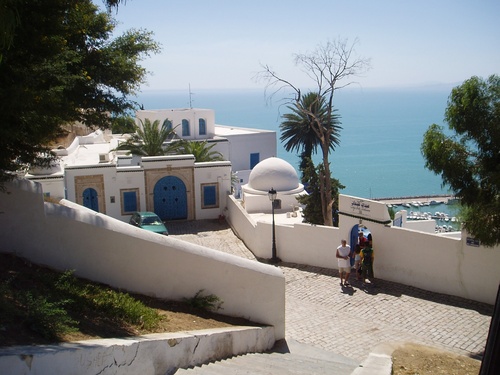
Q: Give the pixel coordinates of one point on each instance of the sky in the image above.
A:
(222, 44)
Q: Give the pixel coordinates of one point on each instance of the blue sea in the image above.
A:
(379, 152)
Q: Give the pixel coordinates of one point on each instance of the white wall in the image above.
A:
(319, 248)
(428, 226)
(52, 186)
(442, 264)
(133, 177)
(314, 245)
(242, 145)
(107, 250)
(260, 202)
(160, 353)
(213, 172)
(177, 115)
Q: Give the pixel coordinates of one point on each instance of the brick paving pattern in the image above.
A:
(352, 321)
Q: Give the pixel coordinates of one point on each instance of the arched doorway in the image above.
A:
(354, 237)
(90, 199)
(170, 202)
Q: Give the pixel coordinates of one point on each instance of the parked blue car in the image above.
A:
(149, 221)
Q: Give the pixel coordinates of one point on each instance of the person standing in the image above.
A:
(367, 263)
(361, 239)
(344, 261)
(357, 261)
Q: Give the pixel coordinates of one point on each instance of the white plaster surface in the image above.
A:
(149, 354)
(442, 264)
(110, 251)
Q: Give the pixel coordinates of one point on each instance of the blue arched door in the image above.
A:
(90, 199)
(170, 200)
(354, 240)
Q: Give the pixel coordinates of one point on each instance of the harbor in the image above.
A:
(441, 208)
(427, 200)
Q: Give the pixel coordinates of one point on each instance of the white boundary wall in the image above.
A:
(437, 263)
(107, 250)
(160, 353)
(313, 245)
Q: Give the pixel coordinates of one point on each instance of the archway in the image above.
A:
(354, 237)
(170, 198)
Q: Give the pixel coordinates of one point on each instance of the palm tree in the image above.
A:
(313, 123)
(201, 150)
(148, 139)
(297, 130)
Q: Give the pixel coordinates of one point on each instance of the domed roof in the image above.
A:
(273, 173)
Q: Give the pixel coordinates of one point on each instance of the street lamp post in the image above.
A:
(272, 197)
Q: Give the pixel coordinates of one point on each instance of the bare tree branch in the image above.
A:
(326, 67)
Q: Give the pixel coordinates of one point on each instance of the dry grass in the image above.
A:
(414, 359)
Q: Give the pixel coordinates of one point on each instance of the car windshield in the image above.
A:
(151, 220)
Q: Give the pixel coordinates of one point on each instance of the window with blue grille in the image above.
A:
(167, 124)
(130, 201)
(210, 195)
(202, 125)
(185, 128)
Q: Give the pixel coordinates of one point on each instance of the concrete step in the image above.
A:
(287, 357)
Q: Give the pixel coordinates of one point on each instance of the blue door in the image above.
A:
(90, 199)
(354, 240)
(170, 198)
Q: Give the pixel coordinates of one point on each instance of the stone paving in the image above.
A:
(352, 321)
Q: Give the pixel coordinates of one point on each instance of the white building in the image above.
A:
(277, 174)
(244, 147)
(90, 173)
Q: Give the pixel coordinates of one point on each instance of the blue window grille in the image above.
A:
(167, 124)
(202, 125)
(210, 196)
(185, 128)
(129, 201)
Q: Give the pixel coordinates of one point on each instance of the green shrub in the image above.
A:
(49, 319)
(121, 306)
(210, 302)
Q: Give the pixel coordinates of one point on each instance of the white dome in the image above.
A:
(273, 173)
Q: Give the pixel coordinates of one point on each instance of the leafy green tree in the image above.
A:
(327, 66)
(148, 139)
(469, 159)
(9, 20)
(61, 66)
(201, 150)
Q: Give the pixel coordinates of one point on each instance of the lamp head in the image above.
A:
(272, 194)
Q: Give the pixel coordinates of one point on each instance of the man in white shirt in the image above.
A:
(344, 261)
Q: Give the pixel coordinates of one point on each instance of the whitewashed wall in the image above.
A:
(244, 226)
(428, 226)
(314, 245)
(177, 115)
(213, 172)
(126, 178)
(252, 141)
(52, 186)
(107, 250)
(130, 176)
(437, 263)
(255, 203)
(108, 171)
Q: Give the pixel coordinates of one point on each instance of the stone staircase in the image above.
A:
(287, 357)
